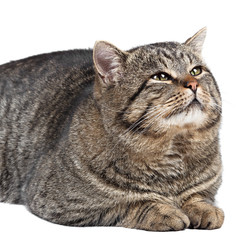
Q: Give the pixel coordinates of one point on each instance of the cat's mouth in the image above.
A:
(194, 106)
(194, 103)
(190, 107)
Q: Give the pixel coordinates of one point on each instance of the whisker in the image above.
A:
(121, 111)
(150, 124)
(145, 117)
(159, 114)
(174, 98)
(216, 107)
(135, 125)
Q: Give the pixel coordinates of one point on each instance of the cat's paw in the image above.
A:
(203, 215)
(155, 217)
(160, 217)
(170, 219)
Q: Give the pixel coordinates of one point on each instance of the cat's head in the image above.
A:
(156, 87)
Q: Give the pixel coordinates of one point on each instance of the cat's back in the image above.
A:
(35, 88)
(39, 69)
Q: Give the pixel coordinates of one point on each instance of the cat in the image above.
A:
(106, 137)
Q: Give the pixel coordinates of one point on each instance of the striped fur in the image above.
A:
(96, 141)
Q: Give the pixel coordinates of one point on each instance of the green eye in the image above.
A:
(161, 77)
(196, 71)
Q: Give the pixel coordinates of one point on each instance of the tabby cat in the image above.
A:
(106, 137)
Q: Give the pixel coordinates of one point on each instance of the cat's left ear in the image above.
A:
(108, 61)
(197, 40)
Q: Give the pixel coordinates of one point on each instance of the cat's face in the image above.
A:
(157, 87)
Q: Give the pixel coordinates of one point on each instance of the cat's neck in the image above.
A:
(146, 145)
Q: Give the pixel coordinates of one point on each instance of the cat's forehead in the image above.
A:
(169, 54)
(173, 49)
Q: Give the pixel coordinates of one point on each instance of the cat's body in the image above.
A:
(79, 147)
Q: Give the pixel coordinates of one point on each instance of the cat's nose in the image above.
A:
(191, 83)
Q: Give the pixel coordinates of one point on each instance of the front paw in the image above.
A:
(169, 218)
(156, 217)
(203, 215)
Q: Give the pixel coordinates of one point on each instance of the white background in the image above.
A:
(33, 27)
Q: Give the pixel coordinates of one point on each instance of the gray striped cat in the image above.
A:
(106, 137)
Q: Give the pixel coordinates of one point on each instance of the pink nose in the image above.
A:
(190, 82)
(192, 85)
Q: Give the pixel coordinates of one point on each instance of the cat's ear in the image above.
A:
(197, 40)
(108, 61)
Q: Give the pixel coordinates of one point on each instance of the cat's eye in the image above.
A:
(196, 71)
(161, 77)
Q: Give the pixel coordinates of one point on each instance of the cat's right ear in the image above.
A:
(197, 40)
(108, 61)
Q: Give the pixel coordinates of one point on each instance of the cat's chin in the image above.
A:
(193, 116)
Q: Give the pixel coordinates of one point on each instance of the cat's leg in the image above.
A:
(203, 214)
(149, 216)
(155, 217)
